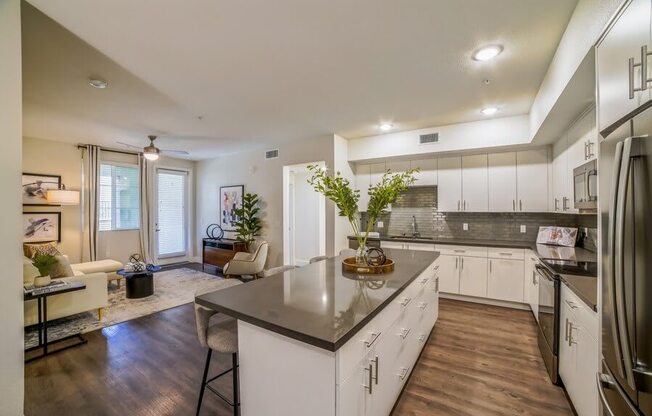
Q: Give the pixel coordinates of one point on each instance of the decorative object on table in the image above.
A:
(214, 232)
(230, 201)
(41, 227)
(44, 263)
(558, 236)
(135, 258)
(248, 224)
(338, 189)
(35, 187)
(350, 265)
(375, 256)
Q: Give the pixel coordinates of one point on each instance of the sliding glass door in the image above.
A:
(172, 215)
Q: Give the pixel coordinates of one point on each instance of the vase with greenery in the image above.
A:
(248, 224)
(338, 189)
(44, 263)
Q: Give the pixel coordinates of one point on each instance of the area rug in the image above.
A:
(172, 288)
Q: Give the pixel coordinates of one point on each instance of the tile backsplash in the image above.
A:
(421, 203)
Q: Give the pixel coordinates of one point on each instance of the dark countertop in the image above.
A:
(585, 287)
(318, 304)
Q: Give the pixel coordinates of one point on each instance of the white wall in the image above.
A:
(584, 28)
(306, 219)
(341, 164)
(484, 134)
(11, 303)
(265, 178)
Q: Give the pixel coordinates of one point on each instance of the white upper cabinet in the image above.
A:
(532, 180)
(622, 47)
(376, 172)
(427, 175)
(449, 184)
(362, 184)
(398, 166)
(474, 183)
(502, 182)
(561, 181)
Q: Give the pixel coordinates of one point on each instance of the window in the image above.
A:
(119, 197)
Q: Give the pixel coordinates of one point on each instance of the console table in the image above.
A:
(219, 252)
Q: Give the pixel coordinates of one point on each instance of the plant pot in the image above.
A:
(42, 281)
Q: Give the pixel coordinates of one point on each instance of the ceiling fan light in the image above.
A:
(151, 156)
(151, 152)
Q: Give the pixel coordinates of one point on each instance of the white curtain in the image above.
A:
(91, 211)
(146, 191)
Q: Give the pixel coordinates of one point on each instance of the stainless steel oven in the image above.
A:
(548, 336)
(585, 186)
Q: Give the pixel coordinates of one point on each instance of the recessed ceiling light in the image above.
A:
(489, 111)
(98, 83)
(487, 52)
(386, 126)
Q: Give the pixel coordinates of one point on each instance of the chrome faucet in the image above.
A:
(415, 233)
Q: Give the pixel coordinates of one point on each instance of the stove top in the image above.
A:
(580, 268)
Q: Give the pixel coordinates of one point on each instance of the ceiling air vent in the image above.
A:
(271, 154)
(429, 138)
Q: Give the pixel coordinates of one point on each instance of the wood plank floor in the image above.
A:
(480, 361)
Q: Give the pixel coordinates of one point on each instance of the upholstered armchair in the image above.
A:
(248, 263)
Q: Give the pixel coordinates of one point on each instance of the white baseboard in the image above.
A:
(493, 302)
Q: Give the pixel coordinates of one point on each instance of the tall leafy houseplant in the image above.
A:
(338, 189)
(248, 224)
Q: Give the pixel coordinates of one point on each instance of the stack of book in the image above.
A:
(51, 287)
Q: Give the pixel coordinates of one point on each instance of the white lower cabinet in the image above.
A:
(531, 282)
(473, 276)
(449, 276)
(373, 367)
(505, 280)
(578, 352)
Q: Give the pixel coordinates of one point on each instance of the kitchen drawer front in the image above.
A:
(392, 244)
(506, 253)
(421, 246)
(454, 250)
(584, 315)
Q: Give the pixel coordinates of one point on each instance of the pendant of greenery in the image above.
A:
(248, 225)
(338, 189)
(44, 263)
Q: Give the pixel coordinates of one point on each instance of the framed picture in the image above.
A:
(40, 227)
(230, 199)
(35, 187)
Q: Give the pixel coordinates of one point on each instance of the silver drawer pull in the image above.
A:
(371, 376)
(405, 332)
(374, 337)
(437, 284)
(422, 337)
(571, 304)
(405, 301)
(437, 267)
(459, 251)
(423, 305)
(404, 372)
(506, 254)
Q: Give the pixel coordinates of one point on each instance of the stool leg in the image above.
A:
(236, 386)
(203, 380)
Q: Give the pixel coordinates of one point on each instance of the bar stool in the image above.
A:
(221, 337)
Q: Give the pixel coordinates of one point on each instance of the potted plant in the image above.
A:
(44, 263)
(338, 189)
(248, 224)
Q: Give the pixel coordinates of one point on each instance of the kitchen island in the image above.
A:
(317, 341)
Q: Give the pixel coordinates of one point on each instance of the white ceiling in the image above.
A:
(263, 72)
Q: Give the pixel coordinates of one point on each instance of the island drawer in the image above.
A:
(506, 253)
(453, 250)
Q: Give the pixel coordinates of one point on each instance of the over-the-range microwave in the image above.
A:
(585, 186)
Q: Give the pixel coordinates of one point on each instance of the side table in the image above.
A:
(139, 284)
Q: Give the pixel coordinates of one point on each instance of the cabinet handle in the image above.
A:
(464, 206)
(423, 305)
(489, 266)
(566, 331)
(403, 373)
(374, 337)
(436, 267)
(370, 386)
(437, 285)
(406, 301)
(424, 281)
(458, 205)
(534, 278)
(405, 333)
(571, 304)
(375, 378)
(570, 334)
(456, 261)
(564, 205)
(586, 150)
(590, 147)
(422, 337)
(506, 254)
(461, 263)
(460, 251)
(520, 205)
(513, 205)
(556, 204)
(643, 66)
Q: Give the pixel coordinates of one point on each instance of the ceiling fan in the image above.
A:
(152, 152)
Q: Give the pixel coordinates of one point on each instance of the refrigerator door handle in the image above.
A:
(621, 312)
(603, 379)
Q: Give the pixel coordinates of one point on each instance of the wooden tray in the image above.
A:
(349, 265)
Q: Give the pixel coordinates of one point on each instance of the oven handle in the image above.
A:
(542, 271)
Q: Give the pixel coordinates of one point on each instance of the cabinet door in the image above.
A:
(566, 359)
(559, 176)
(532, 180)
(473, 276)
(427, 175)
(585, 397)
(505, 280)
(385, 383)
(449, 277)
(362, 181)
(352, 393)
(533, 287)
(449, 184)
(392, 244)
(623, 41)
(502, 182)
(474, 183)
(376, 172)
(420, 246)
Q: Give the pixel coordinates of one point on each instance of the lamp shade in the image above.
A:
(62, 197)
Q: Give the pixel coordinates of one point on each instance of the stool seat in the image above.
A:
(223, 336)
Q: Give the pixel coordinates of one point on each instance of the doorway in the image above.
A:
(304, 216)
(171, 222)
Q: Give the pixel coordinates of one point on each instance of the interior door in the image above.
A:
(171, 214)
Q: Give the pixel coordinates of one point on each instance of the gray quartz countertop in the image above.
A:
(585, 287)
(318, 303)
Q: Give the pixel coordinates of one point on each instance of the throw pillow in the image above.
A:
(30, 272)
(32, 249)
(61, 268)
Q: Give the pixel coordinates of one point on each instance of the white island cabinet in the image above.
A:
(316, 341)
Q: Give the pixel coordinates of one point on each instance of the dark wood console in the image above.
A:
(217, 253)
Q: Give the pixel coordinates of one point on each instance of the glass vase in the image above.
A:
(361, 254)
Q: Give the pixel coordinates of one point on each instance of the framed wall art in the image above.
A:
(40, 227)
(35, 187)
(230, 199)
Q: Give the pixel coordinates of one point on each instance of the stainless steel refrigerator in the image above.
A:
(625, 166)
